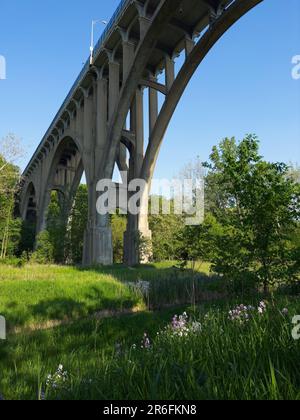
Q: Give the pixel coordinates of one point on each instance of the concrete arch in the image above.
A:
(29, 211)
(67, 150)
(193, 61)
(107, 126)
(163, 15)
(175, 87)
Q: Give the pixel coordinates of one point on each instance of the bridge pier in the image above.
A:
(98, 248)
(137, 241)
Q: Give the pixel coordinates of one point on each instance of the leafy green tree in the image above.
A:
(294, 173)
(27, 238)
(9, 227)
(44, 253)
(57, 227)
(78, 222)
(118, 225)
(254, 208)
(165, 227)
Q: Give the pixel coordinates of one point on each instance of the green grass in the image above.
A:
(258, 360)
(37, 294)
(34, 295)
(226, 360)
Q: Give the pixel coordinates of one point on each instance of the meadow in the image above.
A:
(36, 295)
(213, 349)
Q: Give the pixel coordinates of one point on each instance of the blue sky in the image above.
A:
(243, 86)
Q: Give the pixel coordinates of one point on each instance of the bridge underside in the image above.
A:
(101, 122)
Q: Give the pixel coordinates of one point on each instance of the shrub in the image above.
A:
(44, 253)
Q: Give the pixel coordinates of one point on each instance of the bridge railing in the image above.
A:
(106, 33)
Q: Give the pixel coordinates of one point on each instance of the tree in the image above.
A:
(10, 152)
(294, 172)
(44, 253)
(78, 222)
(57, 227)
(118, 225)
(165, 229)
(254, 207)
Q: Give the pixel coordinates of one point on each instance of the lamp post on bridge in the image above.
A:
(94, 22)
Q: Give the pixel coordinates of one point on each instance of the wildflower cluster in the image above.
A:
(58, 380)
(146, 343)
(181, 326)
(243, 313)
(262, 308)
(240, 313)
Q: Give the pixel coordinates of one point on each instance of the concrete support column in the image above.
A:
(114, 86)
(79, 123)
(101, 116)
(144, 25)
(139, 130)
(128, 56)
(98, 234)
(89, 128)
(137, 231)
(98, 249)
(189, 45)
(137, 239)
(170, 72)
(153, 108)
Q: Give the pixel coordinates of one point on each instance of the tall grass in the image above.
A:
(33, 295)
(224, 360)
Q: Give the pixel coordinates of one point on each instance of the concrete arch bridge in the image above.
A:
(101, 122)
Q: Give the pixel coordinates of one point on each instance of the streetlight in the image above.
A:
(94, 22)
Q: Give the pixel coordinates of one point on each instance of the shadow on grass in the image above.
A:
(66, 309)
(168, 285)
(80, 347)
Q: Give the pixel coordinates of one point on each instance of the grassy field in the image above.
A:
(214, 354)
(33, 295)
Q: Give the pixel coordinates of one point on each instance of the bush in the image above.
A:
(44, 253)
(13, 262)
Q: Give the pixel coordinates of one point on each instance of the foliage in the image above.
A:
(44, 252)
(57, 227)
(27, 238)
(253, 210)
(78, 223)
(164, 228)
(118, 225)
(9, 227)
(294, 172)
(10, 150)
(207, 356)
